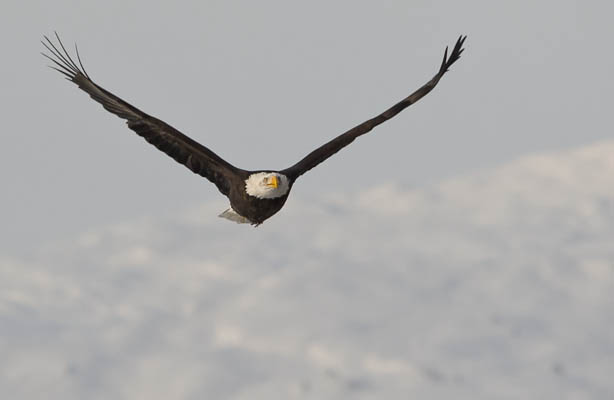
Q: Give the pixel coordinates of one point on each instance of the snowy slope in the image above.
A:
(495, 286)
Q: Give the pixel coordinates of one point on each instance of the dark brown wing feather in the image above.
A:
(184, 150)
(322, 153)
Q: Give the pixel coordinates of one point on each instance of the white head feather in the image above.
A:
(259, 185)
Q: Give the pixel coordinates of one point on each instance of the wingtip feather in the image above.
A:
(457, 50)
(62, 58)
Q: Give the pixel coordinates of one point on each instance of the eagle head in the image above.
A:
(267, 185)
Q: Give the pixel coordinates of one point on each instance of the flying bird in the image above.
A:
(254, 195)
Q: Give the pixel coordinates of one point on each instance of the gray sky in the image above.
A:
(440, 295)
(263, 83)
(117, 280)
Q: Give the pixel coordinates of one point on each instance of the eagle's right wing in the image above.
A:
(184, 150)
(325, 151)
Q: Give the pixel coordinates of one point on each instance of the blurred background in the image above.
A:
(463, 249)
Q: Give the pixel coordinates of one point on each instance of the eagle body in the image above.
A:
(254, 196)
(253, 206)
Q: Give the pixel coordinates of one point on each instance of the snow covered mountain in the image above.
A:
(498, 285)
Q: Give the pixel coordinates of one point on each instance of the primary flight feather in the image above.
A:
(254, 195)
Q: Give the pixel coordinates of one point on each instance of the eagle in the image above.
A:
(254, 196)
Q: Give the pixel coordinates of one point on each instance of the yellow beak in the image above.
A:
(273, 182)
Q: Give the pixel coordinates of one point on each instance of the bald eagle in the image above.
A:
(254, 195)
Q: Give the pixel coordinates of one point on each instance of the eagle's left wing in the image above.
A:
(325, 151)
(180, 147)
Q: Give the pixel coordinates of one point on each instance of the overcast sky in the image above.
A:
(263, 83)
(493, 286)
(433, 258)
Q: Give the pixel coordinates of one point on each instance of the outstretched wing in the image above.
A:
(184, 150)
(322, 153)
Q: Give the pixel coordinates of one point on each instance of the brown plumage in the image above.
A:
(251, 202)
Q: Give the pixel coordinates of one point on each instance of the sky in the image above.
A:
(262, 84)
(495, 285)
(462, 249)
